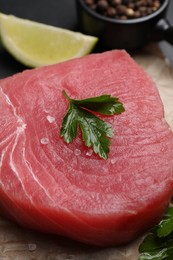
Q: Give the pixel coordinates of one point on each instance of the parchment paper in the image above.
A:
(17, 243)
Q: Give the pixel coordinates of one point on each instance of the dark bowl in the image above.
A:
(125, 34)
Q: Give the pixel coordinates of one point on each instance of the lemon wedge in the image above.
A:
(36, 44)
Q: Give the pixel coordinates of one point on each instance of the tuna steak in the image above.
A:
(66, 189)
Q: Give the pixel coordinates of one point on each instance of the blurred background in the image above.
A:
(61, 13)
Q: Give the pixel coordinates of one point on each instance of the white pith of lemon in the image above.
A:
(36, 44)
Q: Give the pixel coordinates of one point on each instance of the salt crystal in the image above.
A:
(77, 152)
(89, 152)
(51, 119)
(44, 140)
(113, 161)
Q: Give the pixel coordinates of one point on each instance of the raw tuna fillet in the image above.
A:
(66, 189)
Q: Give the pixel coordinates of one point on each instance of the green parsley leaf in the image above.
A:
(156, 248)
(158, 244)
(165, 226)
(95, 131)
(105, 104)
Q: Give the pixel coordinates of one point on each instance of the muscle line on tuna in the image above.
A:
(27, 165)
(19, 119)
(21, 126)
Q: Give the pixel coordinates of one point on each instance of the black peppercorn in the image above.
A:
(124, 9)
(111, 12)
(89, 2)
(102, 5)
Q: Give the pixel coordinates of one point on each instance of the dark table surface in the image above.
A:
(61, 13)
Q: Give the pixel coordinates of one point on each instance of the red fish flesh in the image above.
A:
(66, 189)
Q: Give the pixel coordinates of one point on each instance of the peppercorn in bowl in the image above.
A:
(123, 9)
(123, 24)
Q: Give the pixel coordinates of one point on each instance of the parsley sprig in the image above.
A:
(158, 244)
(95, 131)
